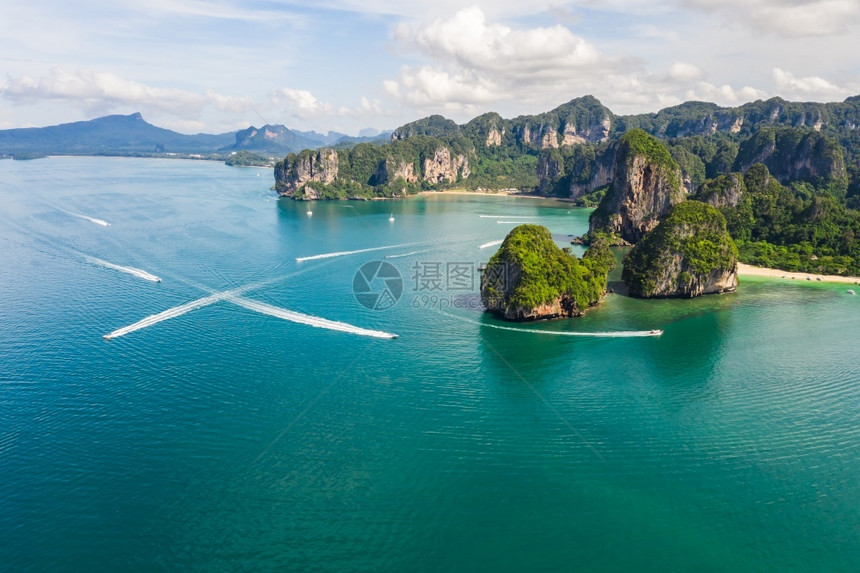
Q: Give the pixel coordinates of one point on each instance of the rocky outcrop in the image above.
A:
(602, 173)
(549, 169)
(494, 137)
(299, 171)
(688, 254)
(442, 167)
(646, 184)
(390, 170)
(794, 154)
(594, 133)
(723, 191)
(530, 278)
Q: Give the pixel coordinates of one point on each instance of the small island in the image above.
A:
(531, 278)
(688, 254)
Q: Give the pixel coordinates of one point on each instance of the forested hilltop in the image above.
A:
(802, 215)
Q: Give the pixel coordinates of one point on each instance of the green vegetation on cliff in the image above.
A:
(247, 159)
(530, 271)
(684, 251)
(795, 228)
(637, 143)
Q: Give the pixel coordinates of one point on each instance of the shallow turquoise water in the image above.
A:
(225, 439)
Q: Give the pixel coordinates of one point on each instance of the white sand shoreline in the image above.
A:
(751, 271)
(483, 194)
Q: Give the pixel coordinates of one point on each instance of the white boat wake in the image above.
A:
(168, 314)
(101, 222)
(307, 319)
(604, 334)
(491, 244)
(507, 216)
(344, 253)
(408, 254)
(233, 296)
(129, 270)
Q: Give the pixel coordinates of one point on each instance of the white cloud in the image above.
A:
(469, 40)
(725, 94)
(681, 71)
(98, 91)
(810, 86)
(793, 18)
(304, 105)
(473, 61)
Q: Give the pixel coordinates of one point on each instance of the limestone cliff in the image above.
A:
(646, 184)
(443, 167)
(794, 154)
(549, 169)
(688, 254)
(602, 170)
(298, 172)
(595, 133)
(531, 278)
(391, 169)
(723, 191)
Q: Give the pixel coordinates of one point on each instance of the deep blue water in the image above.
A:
(226, 439)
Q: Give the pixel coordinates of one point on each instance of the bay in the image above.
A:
(226, 439)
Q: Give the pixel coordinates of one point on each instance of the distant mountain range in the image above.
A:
(131, 134)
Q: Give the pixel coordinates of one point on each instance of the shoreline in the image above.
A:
(752, 271)
(483, 194)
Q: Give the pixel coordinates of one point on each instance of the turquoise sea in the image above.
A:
(227, 439)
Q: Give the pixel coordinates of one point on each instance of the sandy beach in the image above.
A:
(751, 271)
(483, 194)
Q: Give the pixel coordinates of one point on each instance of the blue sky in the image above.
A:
(215, 66)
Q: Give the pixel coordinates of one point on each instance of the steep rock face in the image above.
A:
(688, 254)
(602, 174)
(723, 191)
(646, 184)
(550, 167)
(541, 135)
(530, 278)
(297, 171)
(494, 137)
(391, 170)
(794, 154)
(443, 168)
(594, 133)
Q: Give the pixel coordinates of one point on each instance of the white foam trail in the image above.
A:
(408, 254)
(184, 308)
(307, 319)
(167, 314)
(605, 334)
(101, 222)
(507, 216)
(491, 244)
(344, 253)
(129, 270)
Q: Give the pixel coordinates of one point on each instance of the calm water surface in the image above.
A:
(225, 439)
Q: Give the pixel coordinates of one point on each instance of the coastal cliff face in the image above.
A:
(688, 254)
(594, 133)
(794, 154)
(530, 278)
(723, 191)
(298, 172)
(602, 174)
(442, 167)
(646, 184)
(391, 170)
(550, 167)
